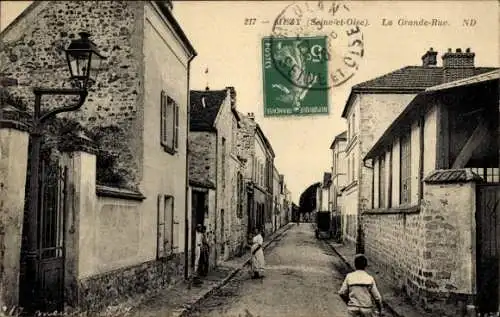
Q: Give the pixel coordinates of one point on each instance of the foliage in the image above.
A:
(7, 97)
(64, 130)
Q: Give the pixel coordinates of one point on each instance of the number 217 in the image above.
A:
(250, 21)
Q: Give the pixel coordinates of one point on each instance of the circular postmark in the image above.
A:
(317, 45)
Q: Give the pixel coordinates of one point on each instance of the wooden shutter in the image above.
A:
(163, 117)
(160, 229)
(169, 127)
(169, 223)
(176, 124)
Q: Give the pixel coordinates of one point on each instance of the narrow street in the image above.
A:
(303, 276)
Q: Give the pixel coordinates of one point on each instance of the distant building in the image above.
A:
(372, 106)
(339, 181)
(254, 146)
(277, 200)
(216, 172)
(437, 168)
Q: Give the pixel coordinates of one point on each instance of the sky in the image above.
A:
(231, 51)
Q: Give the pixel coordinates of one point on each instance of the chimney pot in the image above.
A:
(207, 89)
(449, 50)
(458, 65)
(429, 58)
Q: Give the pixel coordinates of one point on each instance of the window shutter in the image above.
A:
(169, 216)
(170, 124)
(160, 246)
(163, 117)
(176, 132)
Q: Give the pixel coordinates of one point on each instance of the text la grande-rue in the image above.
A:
(414, 22)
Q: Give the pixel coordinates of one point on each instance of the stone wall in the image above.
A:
(202, 157)
(32, 51)
(428, 252)
(393, 241)
(148, 278)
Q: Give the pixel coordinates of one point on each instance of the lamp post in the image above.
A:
(83, 61)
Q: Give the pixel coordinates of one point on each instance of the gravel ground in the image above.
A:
(302, 278)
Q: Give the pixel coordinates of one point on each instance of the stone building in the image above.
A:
(339, 181)
(286, 214)
(216, 171)
(125, 199)
(277, 200)
(436, 191)
(374, 104)
(254, 147)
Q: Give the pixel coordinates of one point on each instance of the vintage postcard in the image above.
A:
(249, 158)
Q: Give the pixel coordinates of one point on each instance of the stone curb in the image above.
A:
(182, 312)
(388, 306)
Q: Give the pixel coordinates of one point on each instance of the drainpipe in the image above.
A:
(186, 202)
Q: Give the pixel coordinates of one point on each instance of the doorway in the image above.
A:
(199, 208)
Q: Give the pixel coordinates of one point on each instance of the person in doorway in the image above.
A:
(359, 291)
(197, 253)
(204, 253)
(257, 260)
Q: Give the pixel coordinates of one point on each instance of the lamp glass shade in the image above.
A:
(84, 60)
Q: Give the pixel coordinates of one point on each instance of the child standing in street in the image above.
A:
(359, 291)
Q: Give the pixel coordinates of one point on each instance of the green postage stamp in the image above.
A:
(295, 75)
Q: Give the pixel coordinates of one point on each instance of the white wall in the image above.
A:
(163, 173)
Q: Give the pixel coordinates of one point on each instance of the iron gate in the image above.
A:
(49, 285)
(488, 243)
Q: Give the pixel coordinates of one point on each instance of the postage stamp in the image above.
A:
(344, 33)
(295, 72)
(313, 47)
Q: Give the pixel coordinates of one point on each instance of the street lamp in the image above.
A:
(83, 60)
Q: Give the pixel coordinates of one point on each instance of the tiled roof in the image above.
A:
(203, 113)
(474, 88)
(406, 79)
(452, 176)
(411, 77)
(340, 137)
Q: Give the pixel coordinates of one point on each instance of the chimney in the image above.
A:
(457, 65)
(429, 58)
(251, 116)
(232, 96)
(166, 4)
(207, 88)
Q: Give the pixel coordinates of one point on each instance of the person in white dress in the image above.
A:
(197, 250)
(257, 262)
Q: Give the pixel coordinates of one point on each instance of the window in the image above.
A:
(490, 175)
(405, 170)
(165, 226)
(169, 132)
(381, 182)
(241, 193)
(223, 162)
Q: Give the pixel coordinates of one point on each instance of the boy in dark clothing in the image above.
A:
(359, 291)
